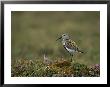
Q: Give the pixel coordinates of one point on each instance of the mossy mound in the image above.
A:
(63, 68)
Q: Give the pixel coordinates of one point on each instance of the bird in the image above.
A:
(69, 44)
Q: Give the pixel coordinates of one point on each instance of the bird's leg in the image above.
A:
(71, 60)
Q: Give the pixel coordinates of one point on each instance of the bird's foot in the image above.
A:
(72, 61)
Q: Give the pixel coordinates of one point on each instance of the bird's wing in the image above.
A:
(71, 45)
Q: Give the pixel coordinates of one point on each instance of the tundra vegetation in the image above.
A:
(34, 34)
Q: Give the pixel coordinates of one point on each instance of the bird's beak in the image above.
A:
(59, 38)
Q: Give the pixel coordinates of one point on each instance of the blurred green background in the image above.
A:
(34, 34)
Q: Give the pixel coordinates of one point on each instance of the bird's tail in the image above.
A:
(80, 51)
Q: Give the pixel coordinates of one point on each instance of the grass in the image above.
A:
(34, 34)
(59, 68)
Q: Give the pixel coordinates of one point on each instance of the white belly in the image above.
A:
(70, 50)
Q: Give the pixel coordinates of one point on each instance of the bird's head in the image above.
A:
(64, 37)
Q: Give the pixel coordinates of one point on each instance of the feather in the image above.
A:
(71, 45)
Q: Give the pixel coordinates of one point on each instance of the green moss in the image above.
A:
(62, 68)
